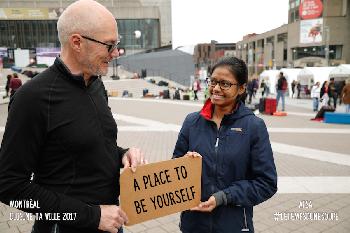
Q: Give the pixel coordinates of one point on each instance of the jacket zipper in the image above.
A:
(245, 228)
(216, 156)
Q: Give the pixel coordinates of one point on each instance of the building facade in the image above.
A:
(32, 23)
(317, 34)
(205, 55)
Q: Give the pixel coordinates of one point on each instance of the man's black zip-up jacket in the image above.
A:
(63, 132)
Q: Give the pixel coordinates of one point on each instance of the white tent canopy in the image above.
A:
(310, 75)
(340, 73)
(270, 77)
(290, 74)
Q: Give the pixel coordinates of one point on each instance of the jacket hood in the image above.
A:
(240, 111)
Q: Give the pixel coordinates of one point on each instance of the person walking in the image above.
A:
(282, 86)
(293, 87)
(315, 95)
(345, 96)
(60, 141)
(15, 83)
(7, 86)
(196, 88)
(298, 89)
(251, 88)
(238, 169)
(332, 93)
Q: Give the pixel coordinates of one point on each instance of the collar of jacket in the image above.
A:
(238, 112)
(77, 79)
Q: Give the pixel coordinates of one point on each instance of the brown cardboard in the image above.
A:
(142, 193)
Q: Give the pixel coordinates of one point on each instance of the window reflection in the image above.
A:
(43, 33)
(149, 33)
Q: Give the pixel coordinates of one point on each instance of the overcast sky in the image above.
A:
(226, 21)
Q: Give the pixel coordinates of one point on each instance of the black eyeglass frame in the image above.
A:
(213, 82)
(110, 47)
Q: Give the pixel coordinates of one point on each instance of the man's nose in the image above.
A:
(115, 53)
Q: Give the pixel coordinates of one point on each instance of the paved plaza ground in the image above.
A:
(312, 159)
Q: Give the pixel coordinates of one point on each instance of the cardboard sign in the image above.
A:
(159, 189)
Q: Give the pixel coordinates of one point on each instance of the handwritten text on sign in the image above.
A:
(159, 189)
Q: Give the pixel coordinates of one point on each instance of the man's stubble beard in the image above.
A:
(95, 69)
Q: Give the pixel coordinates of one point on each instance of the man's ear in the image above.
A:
(75, 41)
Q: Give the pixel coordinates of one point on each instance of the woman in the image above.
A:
(345, 96)
(324, 98)
(238, 169)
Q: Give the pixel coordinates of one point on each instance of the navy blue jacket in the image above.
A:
(237, 159)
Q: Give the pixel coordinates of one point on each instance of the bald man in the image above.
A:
(59, 149)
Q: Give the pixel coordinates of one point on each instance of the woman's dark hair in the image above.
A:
(236, 66)
(239, 70)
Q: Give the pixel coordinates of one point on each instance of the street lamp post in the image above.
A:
(326, 30)
(137, 35)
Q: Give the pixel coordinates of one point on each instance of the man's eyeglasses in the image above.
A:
(223, 84)
(110, 47)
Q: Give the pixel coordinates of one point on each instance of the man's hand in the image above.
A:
(112, 218)
(206, 206)
(132, 158)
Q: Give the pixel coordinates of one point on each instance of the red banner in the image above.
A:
(310, 9)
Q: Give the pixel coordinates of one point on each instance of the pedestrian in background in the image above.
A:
(340, 87)
(7, 87)
(332, 93)
(298, 89)
(345, 96)
(238, 170)
(315, 95)
(293, 88)
(282, 86)
(324, 94)
(60, 142)
(251, 88)
(196, 88)
(15, 83)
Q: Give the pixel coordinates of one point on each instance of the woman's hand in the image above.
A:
(192, 154)
(206, 206)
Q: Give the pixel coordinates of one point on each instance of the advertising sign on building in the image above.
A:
(30, 13)
(310, 9)
(311, 31)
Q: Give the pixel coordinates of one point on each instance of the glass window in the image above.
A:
(149, 29)
(335, 52)
(28, 33)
